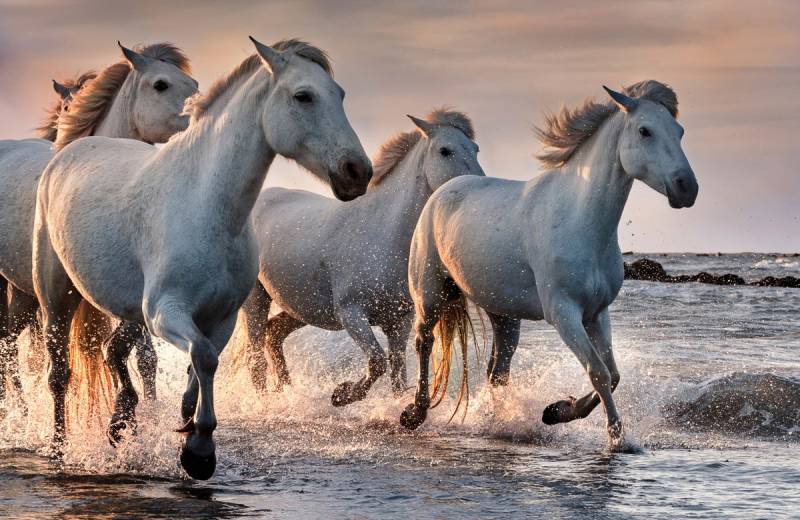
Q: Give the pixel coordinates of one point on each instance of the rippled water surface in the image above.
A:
(710, 391)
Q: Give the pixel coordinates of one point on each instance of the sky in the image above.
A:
(734, 65)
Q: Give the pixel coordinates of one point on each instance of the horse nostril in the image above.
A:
(681, 184)
(351, 170)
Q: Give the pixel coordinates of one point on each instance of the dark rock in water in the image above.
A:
(652, 271)
(786, 281)
(646, 269)
(742, 403)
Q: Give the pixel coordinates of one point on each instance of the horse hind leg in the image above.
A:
(146, 361)
(506, 339)
(21, 313)
(278, 329)
(118, 348)
(397, 333)
(59, 300)
(357, 325)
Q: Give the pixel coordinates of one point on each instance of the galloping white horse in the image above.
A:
(140, 97)
(344, 266)
(11, 315)
(163, 237)
(548, 248)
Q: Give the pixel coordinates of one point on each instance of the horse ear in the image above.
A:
(424, 126)
(274, 60)
(138, 61)
(61, 90)
(625, 103)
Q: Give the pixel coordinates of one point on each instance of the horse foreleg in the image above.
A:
(146, 361)
(397, 334)
(506, 339)
(171, 322)
(357, 325)
(568, 322)
(118, 348)
(278, 329)
(599, 331)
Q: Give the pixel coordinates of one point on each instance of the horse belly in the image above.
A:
(20, 170)
(305, 294)
(516, 297)
(501, 283)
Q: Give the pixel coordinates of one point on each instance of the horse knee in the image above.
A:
(377, 364)
(601, 378)
(615, 377)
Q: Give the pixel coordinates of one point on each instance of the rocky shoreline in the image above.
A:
(652, 271)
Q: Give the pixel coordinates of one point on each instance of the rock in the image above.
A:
(742, 403)
(651, 271)
(786, 281)
(647, 270)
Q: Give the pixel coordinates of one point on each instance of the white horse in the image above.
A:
(548, 248)
(163, 237)
(345, 266)
(140, 97)
(12, 308)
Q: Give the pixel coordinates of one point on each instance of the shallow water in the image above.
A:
(292, 454)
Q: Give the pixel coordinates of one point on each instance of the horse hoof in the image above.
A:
(558, 412)
(616, 437)
(117, 428)
(198, 467)
(347, 393)
(412, 417)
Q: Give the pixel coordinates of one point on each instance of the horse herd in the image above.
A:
(103, 235)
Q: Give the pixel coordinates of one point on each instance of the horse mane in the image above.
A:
(199, 104)
(91, 104)
(564, 133)
(49, 127)
(397, 147)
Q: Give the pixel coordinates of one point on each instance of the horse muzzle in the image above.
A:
(682, 190)
(352, 178)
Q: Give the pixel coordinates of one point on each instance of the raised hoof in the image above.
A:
(197, 466)
(347, 393)
(117, 428)
(413, 416)
(559, 412)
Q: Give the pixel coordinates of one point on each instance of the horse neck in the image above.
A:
(226, 156)
(117, 121)
(400, 197)
(602, 184)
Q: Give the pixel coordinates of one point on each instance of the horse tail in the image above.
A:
(453, 322)
(91, 388)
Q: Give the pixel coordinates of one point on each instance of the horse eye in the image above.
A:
(445, 152)
(644, 131)
(160, 85)
(303, 97)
